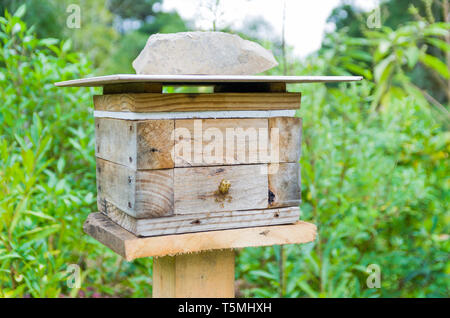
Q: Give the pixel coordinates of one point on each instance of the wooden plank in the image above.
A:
(123, 88)
(284, 184)
(155, 144)
(115, 140)
(200, 275)
(164, 277)
(141, 194)
(195, 115)
(200, 222)
(289, 139)
(144, 103)
(250, 88)
(196, 189)
(129, 246)
(116, 183)
(139, 145)
(202, 79)
(220, 142)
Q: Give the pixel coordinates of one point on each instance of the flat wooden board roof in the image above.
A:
(131, 247)
(201, 79)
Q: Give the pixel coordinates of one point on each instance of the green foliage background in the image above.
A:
(374, 167)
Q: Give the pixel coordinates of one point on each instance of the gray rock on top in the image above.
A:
(202, 53)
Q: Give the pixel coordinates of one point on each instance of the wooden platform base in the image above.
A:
(131, 247)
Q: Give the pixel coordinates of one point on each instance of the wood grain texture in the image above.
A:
(127, 88)
(164, 277)
(220, 142)
(196, 102)
(284, 184)
(289, 140)
(114, 186)
(155, 144)
(140, 145)
(115, 140)
(201, 275)
(129, 246)
(200, 222)
(195, 189)
(141, 194)
(154, 193)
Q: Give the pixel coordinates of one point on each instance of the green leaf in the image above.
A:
(307, 289)
(67, 46)
(436, 30)
(262, 273)
(435, 64)
(412, 55)
(383, 69)
(358, 70)
(10, 255)
(40, 215)
(20, 12)
(442, 45)
(60, 165)
(40, 232)
(48, 42)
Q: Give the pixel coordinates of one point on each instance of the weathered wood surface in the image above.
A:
(155, 144)
(195, 189)
(164, 144)
(220, 142)
(130, 247)
(157, 193)
(284, 184)
(200, 222)
(144, 103)
(289, 139)
(127, 88)
(116, 183)
(141, 194)
(201, 275)
(115, 140)
(201, 79)
(136, 144)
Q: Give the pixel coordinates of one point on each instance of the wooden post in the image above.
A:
(197, 275)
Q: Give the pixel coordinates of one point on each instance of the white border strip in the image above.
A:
(192, 115)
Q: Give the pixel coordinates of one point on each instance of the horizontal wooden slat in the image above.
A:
(144, 103)
(139, 145)
(164, 144)
(203, 221)
(196, 189)
(130, 247)
(224, 114)
(141, 194)
(221, 142)
(117, 184)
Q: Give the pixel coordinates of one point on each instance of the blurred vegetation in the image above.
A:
(374, 167)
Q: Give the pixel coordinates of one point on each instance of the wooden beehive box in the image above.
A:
(179, 163)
